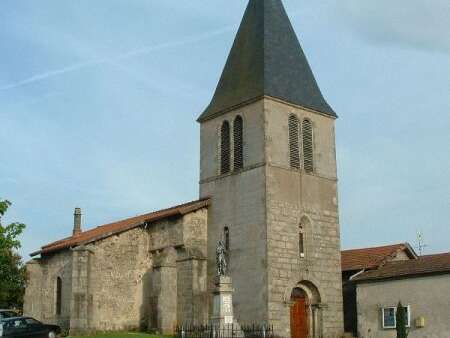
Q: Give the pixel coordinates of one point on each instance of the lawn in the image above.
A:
(122, 334)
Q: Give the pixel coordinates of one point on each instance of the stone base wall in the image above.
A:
(318, 271)
(299, 203)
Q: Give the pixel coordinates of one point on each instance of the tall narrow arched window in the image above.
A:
(226, 235)
(294, 149)
(301, 242)
(308, 146)
(58, 295)
(238, 138)
(304, 228)
(225, 148)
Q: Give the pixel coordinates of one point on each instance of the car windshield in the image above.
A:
(7, 314)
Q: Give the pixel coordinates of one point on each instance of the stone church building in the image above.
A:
(268, 188)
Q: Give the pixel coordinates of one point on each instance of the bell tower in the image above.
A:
(268, 163)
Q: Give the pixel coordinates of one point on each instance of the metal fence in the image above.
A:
(225, 331)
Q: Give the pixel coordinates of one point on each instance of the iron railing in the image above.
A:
(225, 331)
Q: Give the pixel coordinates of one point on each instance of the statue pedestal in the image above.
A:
(222, 315)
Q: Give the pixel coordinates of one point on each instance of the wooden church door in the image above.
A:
(299, 317)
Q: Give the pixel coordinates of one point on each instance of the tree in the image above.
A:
(12, 270)
(402, 321)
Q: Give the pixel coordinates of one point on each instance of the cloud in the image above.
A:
(414, 23)
(111, 60)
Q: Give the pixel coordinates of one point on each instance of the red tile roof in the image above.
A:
(107, 230)
(370, 258)
(424, 265)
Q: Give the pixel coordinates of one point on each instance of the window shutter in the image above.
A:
(238, 143)
(308, 148)
(225, 148)
(294, 151)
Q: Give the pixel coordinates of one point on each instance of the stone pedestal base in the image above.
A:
(222, 314)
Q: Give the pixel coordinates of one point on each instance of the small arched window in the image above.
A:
(238, 150)
(308, 147)
(294, 149)
(226, 235)
(225, 148)
(58, 295)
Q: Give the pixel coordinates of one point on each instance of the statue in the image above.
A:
(221, 259)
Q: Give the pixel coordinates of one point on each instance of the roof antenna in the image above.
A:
(420, 243)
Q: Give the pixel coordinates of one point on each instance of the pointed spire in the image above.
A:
(266, 59)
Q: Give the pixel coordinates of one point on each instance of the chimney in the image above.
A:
(77, 221)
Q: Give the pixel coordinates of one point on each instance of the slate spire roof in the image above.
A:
(266, 59)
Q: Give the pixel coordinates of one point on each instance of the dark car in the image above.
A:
(7, 314)
(27, 327)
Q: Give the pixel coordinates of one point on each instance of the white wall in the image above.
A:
(428, 296)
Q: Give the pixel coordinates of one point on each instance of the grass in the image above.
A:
(123, 335)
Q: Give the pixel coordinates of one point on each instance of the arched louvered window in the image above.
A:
(58, 295)
(238, 150)
(308, 147)
(225, 148)
(294, 149)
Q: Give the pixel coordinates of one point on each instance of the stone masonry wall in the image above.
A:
(238, 202)
(319, 267)
(40, 296)
(132, 280)
(192, 270)
(33, 292)
(296, 198)
(120, 272)
(81, 298)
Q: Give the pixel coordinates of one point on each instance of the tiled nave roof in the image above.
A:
(107, 230)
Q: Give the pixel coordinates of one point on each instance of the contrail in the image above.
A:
(126, 55)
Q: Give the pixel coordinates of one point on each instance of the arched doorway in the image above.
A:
(306, 311)
(299, 314)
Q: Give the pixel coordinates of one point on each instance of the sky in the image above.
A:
(98, 102)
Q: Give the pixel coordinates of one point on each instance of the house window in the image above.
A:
(238, 150)
(308, 148)
(225, 148)
(294, 149)
(58, 295)
(388, 316)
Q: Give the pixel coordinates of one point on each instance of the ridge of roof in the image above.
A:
(373, 257)
(106, 230)
(266, 60)
(424, 265)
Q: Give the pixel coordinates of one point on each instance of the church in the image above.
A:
(268, 190)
